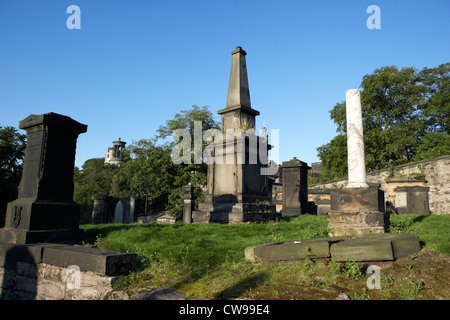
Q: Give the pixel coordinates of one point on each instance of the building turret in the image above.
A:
(114, 155)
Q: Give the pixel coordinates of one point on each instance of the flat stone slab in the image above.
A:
(102, 262)
(371, 247)
(376, 247)
(291, 250)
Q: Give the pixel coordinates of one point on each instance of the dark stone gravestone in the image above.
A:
(295, 187)
(44, 210)
(101, 209)
(412, 200)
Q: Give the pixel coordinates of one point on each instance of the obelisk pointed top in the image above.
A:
(239, 49)
(238, 92)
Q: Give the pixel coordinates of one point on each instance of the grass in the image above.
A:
(207, 261)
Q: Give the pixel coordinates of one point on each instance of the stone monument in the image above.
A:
(236, 189)
(295, 187)
(101, 209)
(44, 210)
(359, 208)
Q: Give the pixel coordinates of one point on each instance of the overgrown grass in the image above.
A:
(208, 260)
(203, 245)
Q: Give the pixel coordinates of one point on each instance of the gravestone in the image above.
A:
(295, 187)
(412, 200)
(125, 211)
(166, 217)
(100, 209)
(118, 213)
(44, 210)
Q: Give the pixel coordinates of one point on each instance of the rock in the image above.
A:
(117, 295)
(160, 294)
(342, 296)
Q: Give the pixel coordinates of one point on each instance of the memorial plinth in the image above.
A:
(44, 210)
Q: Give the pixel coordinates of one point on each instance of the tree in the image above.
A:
(94, 178)
(402, 110)
(437, 106)
(151, 170)
(12, 152)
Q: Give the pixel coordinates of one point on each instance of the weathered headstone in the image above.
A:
(44, 210)
(118, 213)
(188, 203)
(166, 217)
(125, 211)
(100, 209)
(129, 209)
(412, 200)
(295, 187)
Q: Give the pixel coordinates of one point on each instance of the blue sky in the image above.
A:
(134, 64)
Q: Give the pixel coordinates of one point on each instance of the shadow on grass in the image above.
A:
(92, 231)
(242, 286)
(234, 291)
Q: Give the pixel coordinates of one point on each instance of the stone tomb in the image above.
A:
(295, 187)
(36, 261)
(101, 209)
(44, 210)
(412, 200)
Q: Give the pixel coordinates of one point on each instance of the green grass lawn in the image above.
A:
(208, 260)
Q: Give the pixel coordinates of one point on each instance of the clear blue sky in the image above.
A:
(134, 64)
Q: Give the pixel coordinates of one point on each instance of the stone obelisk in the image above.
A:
(355, 141)
(235, 187)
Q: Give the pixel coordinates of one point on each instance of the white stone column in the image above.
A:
(355, 141)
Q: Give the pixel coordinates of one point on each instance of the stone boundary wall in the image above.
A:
(437, 175)
(60, 272)
(43, 281)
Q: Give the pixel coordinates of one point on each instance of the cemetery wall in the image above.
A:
(436, 172)
(31, 281)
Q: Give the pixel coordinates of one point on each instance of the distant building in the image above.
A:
(114, 155)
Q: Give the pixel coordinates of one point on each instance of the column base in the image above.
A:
(350, 223)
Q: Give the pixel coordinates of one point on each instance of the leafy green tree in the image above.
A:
(151, 170)
(403, 110)
(437, 106)
(12, 152)
(94, 178)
